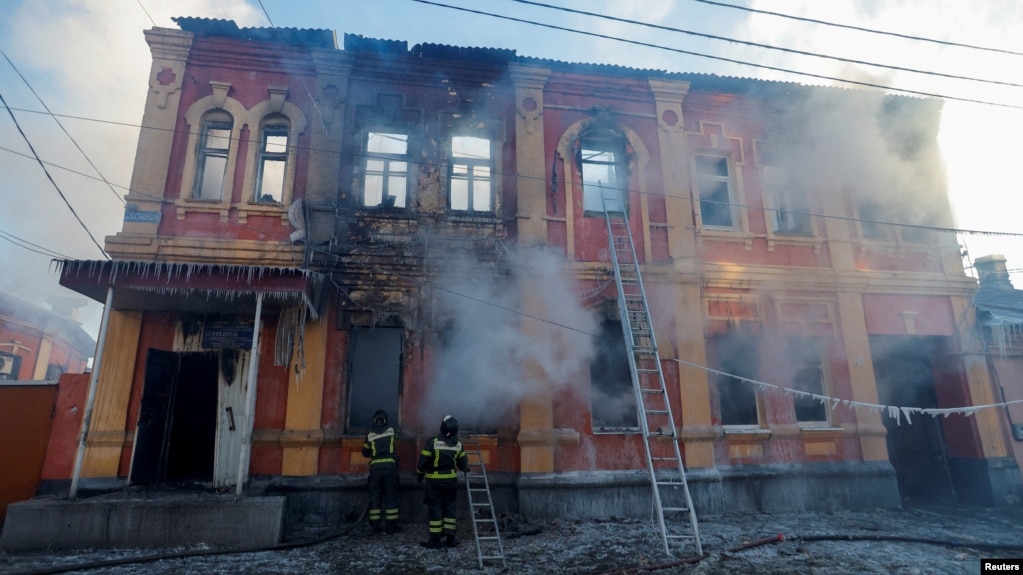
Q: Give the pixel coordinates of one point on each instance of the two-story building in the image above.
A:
(314, 232)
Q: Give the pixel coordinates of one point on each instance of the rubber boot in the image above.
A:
(393, 527)
(450, 540)
(433, 543)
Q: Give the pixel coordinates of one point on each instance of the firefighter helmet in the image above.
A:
(449, 426)
(380, 417)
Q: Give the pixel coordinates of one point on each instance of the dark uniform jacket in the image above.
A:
(441, 459)
(379, 447)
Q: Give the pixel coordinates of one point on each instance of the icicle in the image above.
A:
(834, 403)
(893, 412)
(905, 412)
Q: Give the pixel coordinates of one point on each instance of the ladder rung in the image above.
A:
(656, 411)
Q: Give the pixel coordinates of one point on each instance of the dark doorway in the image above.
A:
(177, 424)
(905, 377)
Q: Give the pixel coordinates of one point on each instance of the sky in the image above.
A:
(87, 63)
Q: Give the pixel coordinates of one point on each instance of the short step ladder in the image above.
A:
(663, 456)
(484, 522)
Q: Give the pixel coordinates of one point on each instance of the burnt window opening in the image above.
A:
(603, 163)
(385, 171)
(613, 399)
(374, 382)
(54, 371)
(736, 354)
(10, 364)
(273, 158)
(715, 190)
(470, 183)
(871, 220)
(806, 357)
(214, 147)
(791, 214)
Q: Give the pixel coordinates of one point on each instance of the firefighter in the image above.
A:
(383, 474)
(439, 463)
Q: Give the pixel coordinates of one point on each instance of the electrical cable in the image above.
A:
(861, 29)
(767, 46)
(56, 119)
(49, 177)
(416, 162)
(719, 58)
(46, 251)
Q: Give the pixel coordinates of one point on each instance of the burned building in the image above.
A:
(314, 232)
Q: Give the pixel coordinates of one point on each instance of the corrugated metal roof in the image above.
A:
(999, 306)
(205, 27)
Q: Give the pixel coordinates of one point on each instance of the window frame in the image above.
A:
(387, 159)
(734, 213)
(798, 352)
(361, 423)
(604, 141)
(605, 372)
(725, 361)
(470, 164)
(203, 152)
(262, 156)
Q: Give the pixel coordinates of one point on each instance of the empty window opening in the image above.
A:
(214, 147)
(374, 375)
(470, 183)
(613, 401)
(714, 185)
(604, 165)
(10, 364)
(385, 181)
(273, 156)
(791, 214)
(736, 354)
(807, 360)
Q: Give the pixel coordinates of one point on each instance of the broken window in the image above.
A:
(604, 167)
(871, 217)
(807, 360)
(714, 185)
(273, 156)
(214, 146)
(9, 365)
(374, 380)
(613, 400)
(791, 213)
(470, 184)
(385, 178)
(736, 355)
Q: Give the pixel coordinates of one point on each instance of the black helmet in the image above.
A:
(449, 426)
(380, 417)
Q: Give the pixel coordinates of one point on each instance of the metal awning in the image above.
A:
(192, 287)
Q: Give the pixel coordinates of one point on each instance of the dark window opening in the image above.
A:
(374, 375)
(806, 358)
(736, 354)
(613, 402)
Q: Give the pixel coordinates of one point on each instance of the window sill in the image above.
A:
(183, 206)
(775, 238)
(822, 429)
(725, 234)
(252, 208)
(746, 432)
(615, 430)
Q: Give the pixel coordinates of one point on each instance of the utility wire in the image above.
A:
(768, 46)
(49, 177)
(719, 58)
(66, 133)
(862, 29)
(20, 241)
(147, 12)
(544, 179)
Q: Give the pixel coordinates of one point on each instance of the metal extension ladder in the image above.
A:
(663, 457)
(481, 505)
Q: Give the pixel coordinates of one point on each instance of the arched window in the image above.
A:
(604, 166)
(272, 160)
(212, 153)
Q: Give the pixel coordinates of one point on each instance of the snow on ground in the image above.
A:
(877, 541)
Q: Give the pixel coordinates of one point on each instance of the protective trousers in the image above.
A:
(383, 494)
(440, 499)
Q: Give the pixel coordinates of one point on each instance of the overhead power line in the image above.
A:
(541, 178)
(66, 133)
(23, 243)
(863, 29)
(49, 177)
(146, 11)
(719, 58)
(767, 46)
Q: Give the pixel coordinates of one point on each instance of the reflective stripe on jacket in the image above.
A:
(442, 458)
(380, 448)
